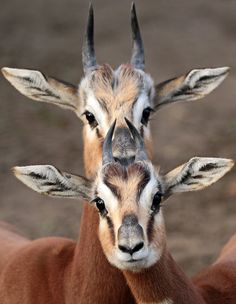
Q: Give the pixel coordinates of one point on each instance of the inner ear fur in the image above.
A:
(37, 86)
(196, 174)
(48, 180)
(194, 85)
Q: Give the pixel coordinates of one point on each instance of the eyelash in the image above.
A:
(91, 119)
(146, 115)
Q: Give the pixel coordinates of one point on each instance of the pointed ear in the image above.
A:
(196, 174)
(192, 86)
(48, 180)
(37, 86)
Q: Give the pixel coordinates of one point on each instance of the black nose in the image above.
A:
(130, 250)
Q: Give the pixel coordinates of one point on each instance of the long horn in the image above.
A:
(107, 156)
(137, 59)
(88, 53)
(139, 143)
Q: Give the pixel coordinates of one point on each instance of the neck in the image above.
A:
(90, 269)
(163, 283)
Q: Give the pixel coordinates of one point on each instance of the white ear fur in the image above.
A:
(48, 180)
(37, 86)
(195, 85)
(196, 174)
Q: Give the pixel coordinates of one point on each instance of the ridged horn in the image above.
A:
(137, 59)
(88, 52)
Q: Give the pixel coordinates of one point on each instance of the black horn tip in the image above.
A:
(112, 128)
(133, 130)
(88, 53)
(107, 145)
(134, 21)
(137, 58)
(140, 150)
(133, 9)
(90, 9)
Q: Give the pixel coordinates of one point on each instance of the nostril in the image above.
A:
(129, 250)
(124, 249)
(138, 247)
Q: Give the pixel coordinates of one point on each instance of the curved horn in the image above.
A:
(137, 59)
(139, 143)
(107, 156)
(88, 53)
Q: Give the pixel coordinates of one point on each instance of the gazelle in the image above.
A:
(131, 230)
(103, 95)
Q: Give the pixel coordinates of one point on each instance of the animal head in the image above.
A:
(104, 94)
(128, 198)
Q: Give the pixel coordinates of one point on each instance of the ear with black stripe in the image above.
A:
(48, 180)
(194, 85)
(37, 86)
(196, 174)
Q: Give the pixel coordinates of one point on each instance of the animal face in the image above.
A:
(131, 228)
(107, 95)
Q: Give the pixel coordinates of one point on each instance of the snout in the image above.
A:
(130, 238)
(123, 145)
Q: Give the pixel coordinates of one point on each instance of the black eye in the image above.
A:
(156, 202)
(146, 115)
(100, 206)
(91, 119)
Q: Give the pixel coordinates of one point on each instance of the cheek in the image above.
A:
(158, 235)
(107, 238)
(148, 144)
(92, 153)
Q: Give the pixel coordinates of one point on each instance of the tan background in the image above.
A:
(178, 36)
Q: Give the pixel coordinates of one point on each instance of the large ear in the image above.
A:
(196, 174)
(194, 85)
(48, 180)
(37, 86)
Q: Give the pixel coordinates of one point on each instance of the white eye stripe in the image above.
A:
(108, 197)
(149, 190)
(141, 103)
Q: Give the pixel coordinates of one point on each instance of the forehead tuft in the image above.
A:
(116, 88)
(136, 174)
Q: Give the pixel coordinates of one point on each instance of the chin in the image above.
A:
(134, 265)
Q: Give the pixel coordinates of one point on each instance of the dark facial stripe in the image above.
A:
(111, 228)
(103, 104)
(113, 189)
(150, 227)
(142, 184)
(98, 133)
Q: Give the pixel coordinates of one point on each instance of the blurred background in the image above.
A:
(178, 36)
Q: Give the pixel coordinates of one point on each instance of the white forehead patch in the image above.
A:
(93, 106)
(109, 198)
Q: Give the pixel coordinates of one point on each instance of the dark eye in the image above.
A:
(100, 206)
(156, 202)
(146, 115)
(91, 119)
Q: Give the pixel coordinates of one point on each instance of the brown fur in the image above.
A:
(217, 283)
(165, 281)
(116, 91)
